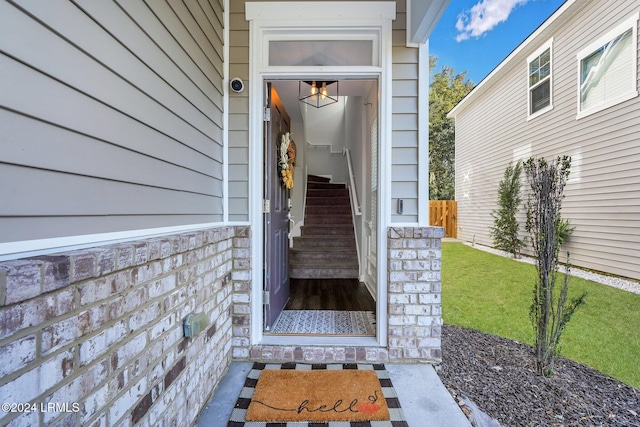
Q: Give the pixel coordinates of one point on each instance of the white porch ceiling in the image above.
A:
(422, 17)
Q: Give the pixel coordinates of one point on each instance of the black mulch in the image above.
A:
(499, 376)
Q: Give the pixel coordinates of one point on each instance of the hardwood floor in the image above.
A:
(330, 294)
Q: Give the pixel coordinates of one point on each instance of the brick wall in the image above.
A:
(414, 310)
(99, 332)
(102, 328)
(415, 313)
(241, 312)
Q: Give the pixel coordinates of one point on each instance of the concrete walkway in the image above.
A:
(424, 399)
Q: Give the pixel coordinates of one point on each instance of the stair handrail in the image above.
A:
(355, 204)
(353, 193)
(304, 205)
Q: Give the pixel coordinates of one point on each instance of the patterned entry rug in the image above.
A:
(325, 322)
(395, 418)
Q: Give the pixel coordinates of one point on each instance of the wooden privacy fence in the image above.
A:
(444, 213)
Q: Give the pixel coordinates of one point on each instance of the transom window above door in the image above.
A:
(300, 53)
(339, 36)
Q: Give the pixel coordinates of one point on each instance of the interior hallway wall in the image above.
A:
(324, 131)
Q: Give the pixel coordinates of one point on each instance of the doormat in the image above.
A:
(348, 395)
(325, 322)
(345, 395)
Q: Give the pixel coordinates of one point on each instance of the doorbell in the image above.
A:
(237, 85)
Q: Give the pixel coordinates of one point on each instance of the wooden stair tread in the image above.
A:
(337, 249)
(316, 178)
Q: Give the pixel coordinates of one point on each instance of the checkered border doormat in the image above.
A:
(239, 412)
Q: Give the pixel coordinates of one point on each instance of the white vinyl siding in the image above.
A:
(603, 194)
(113, 118)
(608, 69)
(239, 115)
(404, 155)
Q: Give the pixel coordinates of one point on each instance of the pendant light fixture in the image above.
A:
(318, 93)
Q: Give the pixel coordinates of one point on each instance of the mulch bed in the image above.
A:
(498, 375)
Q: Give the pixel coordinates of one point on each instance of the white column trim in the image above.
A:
(36, 247)
(423, 135)
(225, 114)
(256, 152)
(307, 13)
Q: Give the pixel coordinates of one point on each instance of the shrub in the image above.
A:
(564, 230)
(506, 228)
(550, 311)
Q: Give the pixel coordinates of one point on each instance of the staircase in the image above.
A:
(326, 248)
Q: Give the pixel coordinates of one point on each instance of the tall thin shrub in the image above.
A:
(550, 311)
(506, 228)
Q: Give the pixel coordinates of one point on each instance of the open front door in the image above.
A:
(276, 216)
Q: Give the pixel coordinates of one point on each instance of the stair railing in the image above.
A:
(353, 193)
(356, 211)
(292, 221)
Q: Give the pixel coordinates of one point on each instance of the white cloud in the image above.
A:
(483, 16)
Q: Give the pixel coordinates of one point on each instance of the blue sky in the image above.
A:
(476, 35)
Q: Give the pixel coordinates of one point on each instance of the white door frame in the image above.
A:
(340, 20)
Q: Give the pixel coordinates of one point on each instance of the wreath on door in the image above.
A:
(286, 159)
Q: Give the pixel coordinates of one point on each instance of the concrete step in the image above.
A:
(438, 407)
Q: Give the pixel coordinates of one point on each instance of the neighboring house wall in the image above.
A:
(138, 97)
(492, 129)
(101, 330)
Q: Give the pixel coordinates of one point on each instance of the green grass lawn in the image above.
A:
(493, 294)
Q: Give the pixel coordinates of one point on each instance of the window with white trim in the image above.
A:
(608, 69)
(540, 80)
